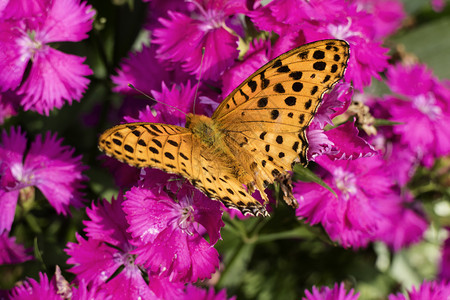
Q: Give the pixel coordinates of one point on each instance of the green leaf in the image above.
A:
(236, 265)
(430, 43)
(306, 175)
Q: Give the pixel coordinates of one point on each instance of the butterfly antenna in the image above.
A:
(150, 97)
(199, 78)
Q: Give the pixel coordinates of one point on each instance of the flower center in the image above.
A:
(211, 18)
(29, 45)
(16, 177)
(186, 219)
(345, 182)
(427, 105)
(342, 31)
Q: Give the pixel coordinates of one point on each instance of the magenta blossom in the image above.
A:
(10, 251)
(387, 15)
(108, 249)
(54, 76)
(182, 37)
(404, 220)
(48, 165)
(338, 292)
(428, 290)
(318, 20)
(55, 289)
(342, 142)
(145, 72)
(352, 218)
(168, 232)
(423, 109)
(32, 289)
(179, 96)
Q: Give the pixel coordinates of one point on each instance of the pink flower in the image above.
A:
(54, 76)
(404, 220)
(338, 292)
(438, 5)
(169, 240)
(182, 37)
(317, 20)
(109, 249)
(48, 165)
(56, 289)
(32, 289)
(423, 112)
(387, 15)
(352, 218)
(180, 97)
(145, 72)
(341, 142)
(11, 252)
(428, 290)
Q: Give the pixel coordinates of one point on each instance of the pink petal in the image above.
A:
(13, 55)
(107, 223)
(10, 251)
(56, 172)
(67, 20)
(17, 9)
(8, 202)
(33, 290)
(54, 77)
(93, 260)
(348, 143)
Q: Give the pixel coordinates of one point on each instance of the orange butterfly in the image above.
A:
(253, 138)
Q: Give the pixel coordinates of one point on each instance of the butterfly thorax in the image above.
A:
(208, 131)
(205, 129)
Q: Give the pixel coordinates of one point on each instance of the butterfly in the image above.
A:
(252, 139)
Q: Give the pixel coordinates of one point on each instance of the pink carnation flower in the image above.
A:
(55, 289)
(10, 251)
(353, 217)
(404, 220)
(423, 111)
(318, 20)
(182, 37)
(387, 15)
(54, 76)
(108, 249)
(338, 292)
(342, 142)
(48, 165)
(169, 233)
(32, 289)
(428, 290)
(145, 72)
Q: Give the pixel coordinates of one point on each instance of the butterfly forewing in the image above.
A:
(162, 146)
(176, 150)
(269, 112)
